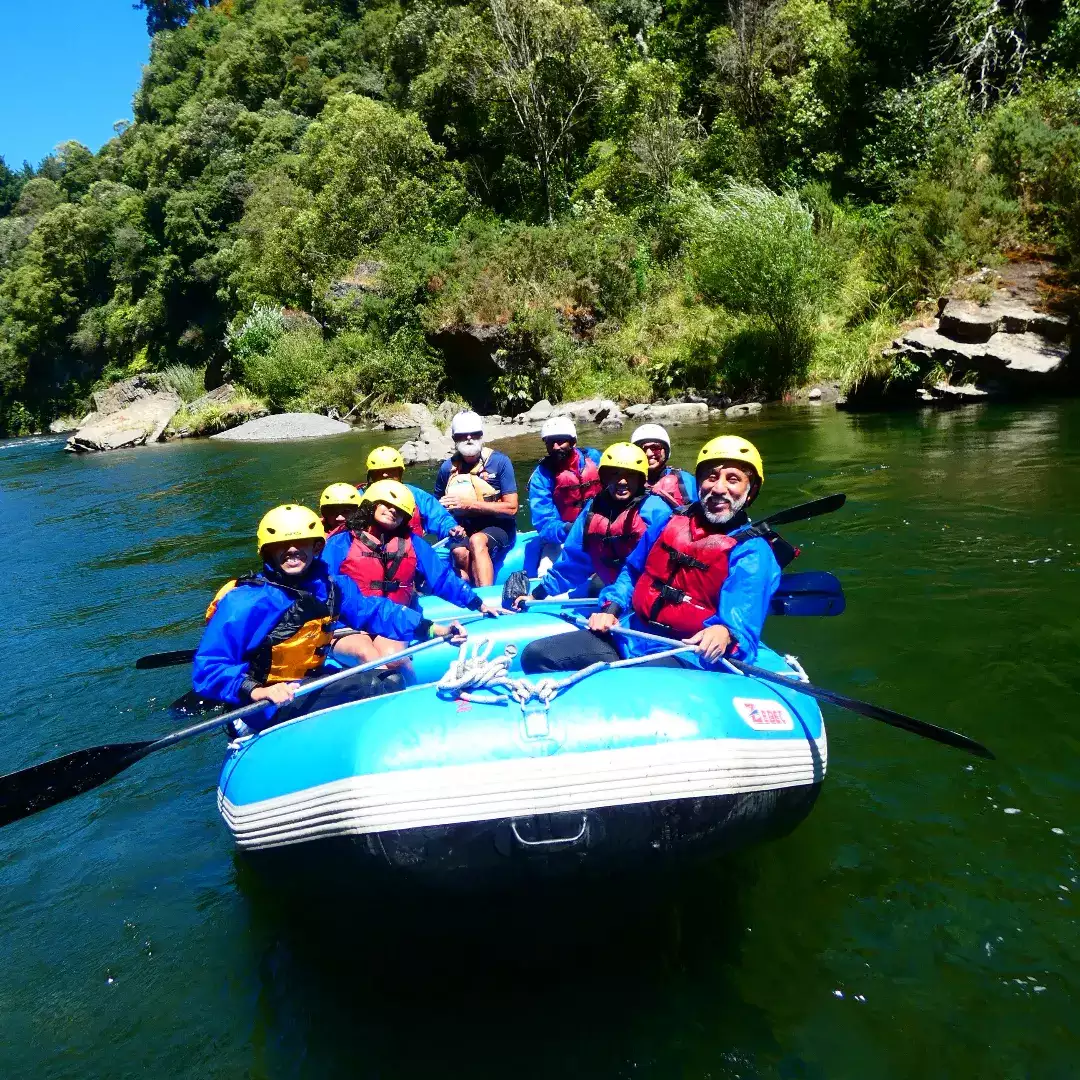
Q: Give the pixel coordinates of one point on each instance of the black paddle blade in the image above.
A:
(812, 592)
(874, 712)
(165, 659)
(808, 510)
(29, 790)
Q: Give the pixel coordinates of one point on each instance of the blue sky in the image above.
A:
(68, 70)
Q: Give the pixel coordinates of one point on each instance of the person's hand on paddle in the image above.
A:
(600, 622)
(492, 611)
(713, 641)
(458, 531)
(519, 603)
(453, 630)
(279, 693)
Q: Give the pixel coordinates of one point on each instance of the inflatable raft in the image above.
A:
(524, 555)
(625, 767)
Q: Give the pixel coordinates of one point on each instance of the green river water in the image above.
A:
(920, 923)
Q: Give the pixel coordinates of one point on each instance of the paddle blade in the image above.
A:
(806, 511)
(812, 592)
(165, 659)
(29, 790)
(874, 712)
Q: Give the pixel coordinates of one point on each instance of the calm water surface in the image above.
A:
(921, 923)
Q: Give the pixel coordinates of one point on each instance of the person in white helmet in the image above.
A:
(477, 485)
(565, 479)
(675, 486)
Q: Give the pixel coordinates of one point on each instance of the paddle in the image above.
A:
(863, 708)
(802, 512)
(38, 787)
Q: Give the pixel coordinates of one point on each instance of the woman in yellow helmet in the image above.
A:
(273, 628)
(381, 555)
(700, 576)
(428, 515)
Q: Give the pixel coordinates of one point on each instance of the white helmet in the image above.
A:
(558, 427)
(651, 433)
(466, 423)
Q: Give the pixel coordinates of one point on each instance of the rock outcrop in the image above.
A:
(219, 410)
(405, 415)
(1003, 348)
(141, 421)
(685, 412)
(285, 427)
(430, 445)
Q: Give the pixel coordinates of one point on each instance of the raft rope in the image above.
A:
(475, 670)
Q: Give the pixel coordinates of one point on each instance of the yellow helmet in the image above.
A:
(624, 455)
(732, 448)
(390, 491)
(384, 457)
(339, 495)
(289, 522)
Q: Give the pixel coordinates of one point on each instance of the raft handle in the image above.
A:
(547, 843)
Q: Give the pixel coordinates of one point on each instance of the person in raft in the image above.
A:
(609, 527)
(562, 483)
(384, 558)
(337, 504)
(385, 463)
(691, 579)
(677, 486)
(269, 630)
(477, 485)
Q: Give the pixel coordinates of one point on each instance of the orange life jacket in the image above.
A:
(684, 570)
(299, 641)
(387, 570)
(575, 485)
(608, 541)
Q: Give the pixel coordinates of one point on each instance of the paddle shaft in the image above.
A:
(863, 708)
(40, 786)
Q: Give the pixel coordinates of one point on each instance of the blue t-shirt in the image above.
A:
(498, 471)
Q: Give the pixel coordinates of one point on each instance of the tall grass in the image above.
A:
(188, 382)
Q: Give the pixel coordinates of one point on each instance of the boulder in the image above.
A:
(284, 427)
(445, 411)
(538, 413)
(1022, 355)
(405, 415)
(126, 392)
(966, 321)
(748, 408)
(361, 281)
(588, 410)
(63, 425)
(814, 394)
(141, 421)
(430, 445)
(686, 412)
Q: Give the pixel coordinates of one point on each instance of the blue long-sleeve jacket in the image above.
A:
(574, 566)
(743, 604)
(247, 613)
(545, 517)
(433, 515)
(441, 580)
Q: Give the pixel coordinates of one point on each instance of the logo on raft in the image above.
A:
(763, 715)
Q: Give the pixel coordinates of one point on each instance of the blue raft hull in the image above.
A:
(524, 555)
(624, 769)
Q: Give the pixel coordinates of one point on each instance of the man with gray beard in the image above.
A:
(699, 575)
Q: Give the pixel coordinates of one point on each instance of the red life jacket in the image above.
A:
(416, 525)
(671, 489)
(680, 584)
(608, 541)
(387, 570)
(575, 485)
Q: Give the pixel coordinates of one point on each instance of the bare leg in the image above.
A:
(483, 572)
(359, 647)
(387, 647)
(461, 562)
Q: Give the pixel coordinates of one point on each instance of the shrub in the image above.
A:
(188, 382)
(283, 375)
(757, 253)
(254, 336)
(213, 417)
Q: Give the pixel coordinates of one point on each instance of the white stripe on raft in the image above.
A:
(417, 798)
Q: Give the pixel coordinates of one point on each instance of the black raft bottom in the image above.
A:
(509, 852)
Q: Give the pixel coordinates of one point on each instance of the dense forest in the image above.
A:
(635, 197)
